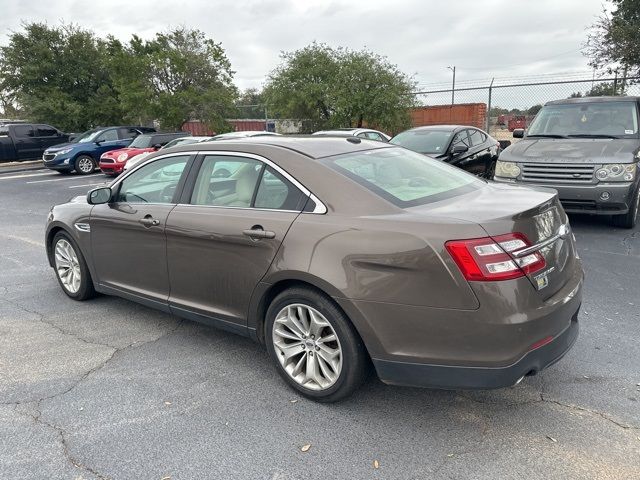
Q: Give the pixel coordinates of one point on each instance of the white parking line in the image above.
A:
(55, 180)
(87, 185)
(2, 177)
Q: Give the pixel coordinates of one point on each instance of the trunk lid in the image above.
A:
(535, 212)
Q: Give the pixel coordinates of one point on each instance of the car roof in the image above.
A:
(592, 100)
(443, 127)
(311, 146)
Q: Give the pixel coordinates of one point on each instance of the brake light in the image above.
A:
(491, 259)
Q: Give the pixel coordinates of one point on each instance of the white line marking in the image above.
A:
(55, 180)
(2, 177)
(23, 239)
(87, 185)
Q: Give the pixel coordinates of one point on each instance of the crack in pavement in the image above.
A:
(626, 242)
(593, 412)
(37, 418)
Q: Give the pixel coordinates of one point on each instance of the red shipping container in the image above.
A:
(473, 114)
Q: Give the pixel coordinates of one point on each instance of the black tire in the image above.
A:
(85, 164)
(355, 360)
(85, 290)
(628, 220)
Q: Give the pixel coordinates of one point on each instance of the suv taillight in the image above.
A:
(489, 259)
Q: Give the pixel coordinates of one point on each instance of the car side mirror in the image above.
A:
(99, 196)
(458, 149)
(518, 133)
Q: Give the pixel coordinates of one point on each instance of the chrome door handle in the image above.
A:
(258, 233)
(149, 221)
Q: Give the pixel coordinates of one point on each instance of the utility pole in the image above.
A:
(453, 85)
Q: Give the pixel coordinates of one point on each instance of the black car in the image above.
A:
(469, 148)
(24, 141)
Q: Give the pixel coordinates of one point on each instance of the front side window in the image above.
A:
(477, 137)
(430, 142)
(617, 119)
(374, 136)
(46, 131)
(108, 136)
(24, 131)
(402, 177)
(461, 138)
(155, 182)
(230, 181)
(141, 141)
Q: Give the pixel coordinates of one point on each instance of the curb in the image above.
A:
(12, 167)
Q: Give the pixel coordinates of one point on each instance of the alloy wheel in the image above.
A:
(67, 266)
(85, 165)
(307, 346)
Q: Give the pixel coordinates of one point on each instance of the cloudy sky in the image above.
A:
(482, 38)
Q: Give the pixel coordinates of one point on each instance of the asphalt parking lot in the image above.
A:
(112, 390)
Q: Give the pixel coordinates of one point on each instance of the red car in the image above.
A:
(113, 161)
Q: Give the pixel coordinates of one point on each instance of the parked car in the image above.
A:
(335, 253)
(24, 141)
(586, 149)
(355, 132)
(469, 148)
(112, 162)
(133, 161)
(83, 153)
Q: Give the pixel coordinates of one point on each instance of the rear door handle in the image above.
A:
(149, 221)
(258, 233)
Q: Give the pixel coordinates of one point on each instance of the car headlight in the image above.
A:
(616, 172)
(507, 169)
(62, 152)
(122, 157)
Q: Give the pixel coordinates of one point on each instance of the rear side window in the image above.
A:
(402, 177)
(276, 192)
(23, 131)
(477, 137)
(108, 136)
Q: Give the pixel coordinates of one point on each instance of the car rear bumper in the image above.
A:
(464, 377)
(588, 198)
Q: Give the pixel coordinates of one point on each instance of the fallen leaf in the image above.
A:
(305, 448)
(449, 454)
(167, 403)
(376, 464)
(295, 400)
(166, 478)
(552, 439)
(81, 408)
(585, 376)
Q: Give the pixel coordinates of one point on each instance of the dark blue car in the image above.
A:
(83, 153)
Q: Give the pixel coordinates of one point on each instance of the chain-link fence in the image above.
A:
(513, 105)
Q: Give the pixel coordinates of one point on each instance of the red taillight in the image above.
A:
(490, 259)
(541, 343)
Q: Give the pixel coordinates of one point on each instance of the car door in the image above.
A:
(223, 236)
(128, 234)
(480, 158)
(109, 140)
(459, 159)
(47, 136)
(27, 145)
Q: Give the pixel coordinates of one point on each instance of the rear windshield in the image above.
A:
(402, 177)
(434, 142)
(617, 119)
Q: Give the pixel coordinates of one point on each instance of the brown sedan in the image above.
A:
(335, 253)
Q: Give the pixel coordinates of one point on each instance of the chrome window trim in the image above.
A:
(319, 209)
(563, 232)
(238, 208)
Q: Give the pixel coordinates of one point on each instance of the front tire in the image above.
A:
(85, 164)
(628, 220)
(71, 268)
(314, 346)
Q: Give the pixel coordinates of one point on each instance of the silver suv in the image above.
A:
(586, 149)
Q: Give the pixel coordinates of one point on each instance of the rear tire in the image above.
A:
(85, 164)
(628, 220)
(331, 362)
(71, 268)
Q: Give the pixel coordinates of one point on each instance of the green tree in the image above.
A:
(614, 39)
(605, 89)
(337, 87)
(534, 109)
(59, 75)
(251, 104)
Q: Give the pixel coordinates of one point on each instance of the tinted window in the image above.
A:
(23, 131)
(155, 182)
(126, 132)
(46, 131)
(142, 141)
(373, 136)
(461, 138)
(108, 136)
(424, 141)
(226, 181)
(404, 178)
(477, 137)
(276, 192)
